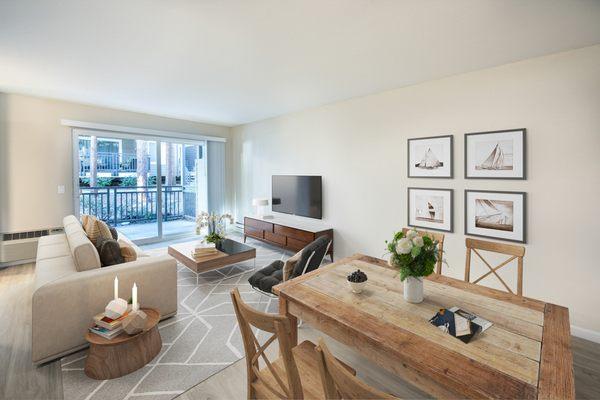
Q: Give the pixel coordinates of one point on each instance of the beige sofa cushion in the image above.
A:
(84, 253)
(51, 269)
(53, 246)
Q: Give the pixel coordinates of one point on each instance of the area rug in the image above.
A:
(202, 339)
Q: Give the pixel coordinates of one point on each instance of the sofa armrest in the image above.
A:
(62, 309)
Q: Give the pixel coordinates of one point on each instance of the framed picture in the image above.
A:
(495, 155)
(430, 208)
(499, 215)
(430, 157)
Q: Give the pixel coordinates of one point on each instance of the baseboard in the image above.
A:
(584, 333)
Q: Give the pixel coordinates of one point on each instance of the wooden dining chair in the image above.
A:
(435, 236)
(294, 375)
(513, 251)
(338, 383)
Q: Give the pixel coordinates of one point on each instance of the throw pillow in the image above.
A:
(109, 252)
(128, 253)
(96, 230)
(113, 232)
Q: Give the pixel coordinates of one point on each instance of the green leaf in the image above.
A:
(415, 251)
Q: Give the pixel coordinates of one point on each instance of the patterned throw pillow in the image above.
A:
(128, 253)
(96, 229)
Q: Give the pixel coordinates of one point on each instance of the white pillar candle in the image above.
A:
(116, 288)
(135, 305)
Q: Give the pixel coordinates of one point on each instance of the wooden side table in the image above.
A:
(109, 359)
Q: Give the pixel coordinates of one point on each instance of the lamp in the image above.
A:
(260, 204)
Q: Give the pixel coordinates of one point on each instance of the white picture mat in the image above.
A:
(442, 149)
(518, 215)
(518, 158)
(446, 195)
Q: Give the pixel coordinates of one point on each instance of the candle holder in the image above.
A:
(116, 308)
(134, 322)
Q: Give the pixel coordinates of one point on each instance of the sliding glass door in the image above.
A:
(149, 189)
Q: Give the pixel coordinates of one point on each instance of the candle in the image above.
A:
(135, 305)
(116, 288)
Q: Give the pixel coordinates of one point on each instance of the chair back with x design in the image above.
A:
(514, 252)
(288, 386)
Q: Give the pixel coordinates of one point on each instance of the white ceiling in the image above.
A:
(235, 61)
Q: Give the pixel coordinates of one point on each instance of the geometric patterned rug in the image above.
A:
(202, 339)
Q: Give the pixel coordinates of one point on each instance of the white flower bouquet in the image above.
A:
(412, 255)
(215, 224)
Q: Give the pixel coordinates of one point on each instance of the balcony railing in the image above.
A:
(119, 204)
(109, 162)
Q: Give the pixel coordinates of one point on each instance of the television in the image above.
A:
(297, 195)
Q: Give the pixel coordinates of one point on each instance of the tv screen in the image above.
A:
(297, 195)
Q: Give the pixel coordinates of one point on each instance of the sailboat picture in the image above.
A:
(495, 214)
(499, 158)
(430, 208)
(429, 161)
(495, 155)
(430, 157)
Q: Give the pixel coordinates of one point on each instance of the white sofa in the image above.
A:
(71, 287)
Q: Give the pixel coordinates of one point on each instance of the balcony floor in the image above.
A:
(149, 229)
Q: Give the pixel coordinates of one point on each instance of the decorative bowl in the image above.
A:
(357, 287)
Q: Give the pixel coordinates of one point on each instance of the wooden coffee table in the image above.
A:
(229, 252)
(109, 359)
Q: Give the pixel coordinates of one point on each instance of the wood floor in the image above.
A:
(21, 380)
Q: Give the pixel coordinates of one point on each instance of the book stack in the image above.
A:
(107, 327)
(204, 250)
(460, 323)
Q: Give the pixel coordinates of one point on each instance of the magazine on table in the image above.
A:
(460, 323)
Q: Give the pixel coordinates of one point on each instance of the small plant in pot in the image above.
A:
(357, 281)
(414, 257)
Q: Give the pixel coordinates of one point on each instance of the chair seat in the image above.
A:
(308, 368)
(267, 277)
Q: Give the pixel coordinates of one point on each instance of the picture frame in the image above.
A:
(431, 157)
(496, 214)
(496, 154)
(431, 208)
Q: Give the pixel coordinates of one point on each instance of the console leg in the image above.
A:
(244, 238)
(331, 255)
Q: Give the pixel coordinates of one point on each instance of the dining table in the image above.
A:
(525, 354)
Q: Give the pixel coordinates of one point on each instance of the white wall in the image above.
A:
(36, 155)
(359, 146)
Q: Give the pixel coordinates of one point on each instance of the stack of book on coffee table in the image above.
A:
(107, 327)
(204, 250)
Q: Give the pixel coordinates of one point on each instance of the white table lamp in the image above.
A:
(260, 204)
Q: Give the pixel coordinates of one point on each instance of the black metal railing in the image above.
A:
(113, 163)
(118, 204)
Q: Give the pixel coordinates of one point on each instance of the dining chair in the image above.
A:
(338, 383)
(435, 236)
(513, 251)
(294, 374)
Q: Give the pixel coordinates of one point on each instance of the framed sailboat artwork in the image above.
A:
(430, 157)
(493, 214)
(430, 208)
(495, 155)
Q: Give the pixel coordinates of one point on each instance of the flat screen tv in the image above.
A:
(297, 195)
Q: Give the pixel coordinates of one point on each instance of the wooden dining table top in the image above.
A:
(525, 354)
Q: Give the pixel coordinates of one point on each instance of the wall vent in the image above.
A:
(16, 247)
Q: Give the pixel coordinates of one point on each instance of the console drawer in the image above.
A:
(258, 224)
(294, 233)
(275, 238)
(296, 244)
(249, 231)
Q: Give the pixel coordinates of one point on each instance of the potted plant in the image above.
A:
(415, 257)
(215, 224)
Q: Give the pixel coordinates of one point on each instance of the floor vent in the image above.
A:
(25, 235)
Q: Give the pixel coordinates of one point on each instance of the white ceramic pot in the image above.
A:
(413, 289)
(357, 287)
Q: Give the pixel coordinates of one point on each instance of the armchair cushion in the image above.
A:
(290, 264)
(267, 277)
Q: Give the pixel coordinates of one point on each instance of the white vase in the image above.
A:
(413, 289)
